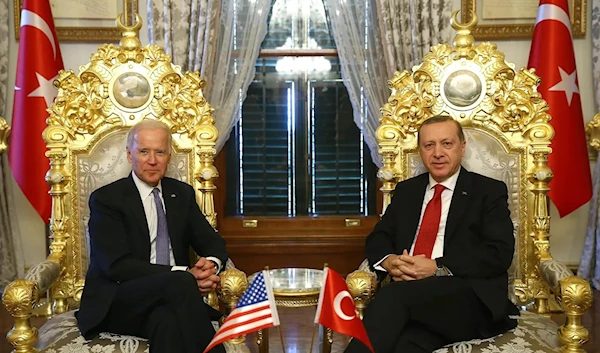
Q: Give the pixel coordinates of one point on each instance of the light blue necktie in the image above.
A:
(163, 256)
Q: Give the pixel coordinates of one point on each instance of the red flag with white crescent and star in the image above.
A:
(38, 65)
(336, 308)
(553, 58)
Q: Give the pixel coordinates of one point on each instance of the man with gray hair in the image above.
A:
(141, 228)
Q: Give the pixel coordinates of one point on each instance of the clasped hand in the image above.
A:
(408, 268)
(205, 273)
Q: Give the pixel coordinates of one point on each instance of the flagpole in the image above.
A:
(281, 337)
(278, 327)
(312, 340)
(325, 266)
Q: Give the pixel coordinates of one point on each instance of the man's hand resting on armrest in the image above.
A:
(205, 273)
(407, 268)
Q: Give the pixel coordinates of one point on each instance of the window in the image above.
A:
(296, 150)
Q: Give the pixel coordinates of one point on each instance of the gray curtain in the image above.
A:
(184, 28)
(219, 38)
(589, 266)
(11, 256)
(410, 27)
(376, 38)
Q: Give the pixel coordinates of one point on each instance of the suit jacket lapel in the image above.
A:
(460, 200)
(132, 198)
(413, 206)
(173, 209)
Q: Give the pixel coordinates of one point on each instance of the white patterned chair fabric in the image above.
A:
(86, 139)
(61, 335)
(508, 136)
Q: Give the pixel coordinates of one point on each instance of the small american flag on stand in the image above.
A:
(255, 310)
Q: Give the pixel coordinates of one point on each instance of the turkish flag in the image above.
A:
(37, 67)
(336, 308)
(553, 58)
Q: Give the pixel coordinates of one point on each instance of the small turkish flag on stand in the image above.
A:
(336, 308)
(553, 58)
(37, 67)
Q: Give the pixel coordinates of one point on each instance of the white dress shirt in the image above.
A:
(145, 191)
(438, 247)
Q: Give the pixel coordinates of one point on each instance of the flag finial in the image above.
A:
(464, 41)
(130, 34)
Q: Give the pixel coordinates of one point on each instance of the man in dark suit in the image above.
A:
(141, 228)
(446, 240)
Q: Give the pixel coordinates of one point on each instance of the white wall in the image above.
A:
(568, 234)
(31, 226)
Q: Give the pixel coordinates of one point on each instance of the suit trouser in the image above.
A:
(168, 309)
(421, 316)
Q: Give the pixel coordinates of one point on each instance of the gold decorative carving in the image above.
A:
(19, 298)
(361, 286)
(575, 294)
(575, 297)
(4, 135)
(297, 302)
(233, 285)
(592, 131)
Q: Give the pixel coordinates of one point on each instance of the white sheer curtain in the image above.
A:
(589, 266)
(358, 41)
(11, 254)
(374, 39)
(221, 39)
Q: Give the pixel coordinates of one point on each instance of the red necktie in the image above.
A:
(430, 224)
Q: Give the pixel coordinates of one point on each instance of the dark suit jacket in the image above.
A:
(478, 241)
(120, 241)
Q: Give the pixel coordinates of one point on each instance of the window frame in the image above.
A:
(301, 240)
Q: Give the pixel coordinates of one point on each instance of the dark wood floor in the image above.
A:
(296, 328)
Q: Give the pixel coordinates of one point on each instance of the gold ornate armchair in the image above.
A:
(508, 138)
(86, 138)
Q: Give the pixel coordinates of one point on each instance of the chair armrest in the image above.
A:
(574, 296)
(21, 295)
(553, 271)
(44, 274)
(20, 298)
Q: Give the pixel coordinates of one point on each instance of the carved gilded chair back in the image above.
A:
(86, 139)
(508, 136)
(506, 127)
